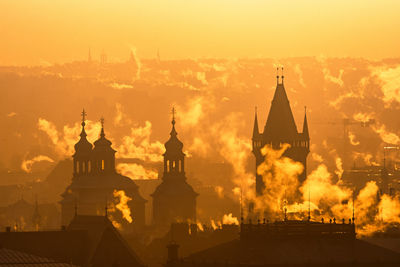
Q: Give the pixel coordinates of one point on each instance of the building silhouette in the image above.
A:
(290, 243)
(174, 199)
(280, 129)
(86, 241)
(95, 180)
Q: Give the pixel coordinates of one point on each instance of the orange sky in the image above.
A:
(40, 31)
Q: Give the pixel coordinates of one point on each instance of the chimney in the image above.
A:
(193, 229)
(172, 252)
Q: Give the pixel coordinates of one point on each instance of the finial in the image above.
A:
(102, 126)
(305, 109)
(83, 117)
(282, 75)
(173, 115)
(277, 75)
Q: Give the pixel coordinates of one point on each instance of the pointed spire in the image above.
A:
(83, 132)
(256, 131)
(305, 124)
(102, 127)
(173, 131)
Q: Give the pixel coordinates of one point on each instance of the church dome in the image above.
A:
(103, 143)
(173, 145)
(83, 147)
(83, 144)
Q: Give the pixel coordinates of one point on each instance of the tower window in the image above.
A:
(102, 164)
(167, 165)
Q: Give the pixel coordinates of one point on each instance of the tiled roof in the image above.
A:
(10, 257)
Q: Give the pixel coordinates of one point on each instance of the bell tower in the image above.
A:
(83, 152)
(174, 158)
(103, 159)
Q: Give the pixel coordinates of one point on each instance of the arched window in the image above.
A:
(180, 166)
(102, 164)
(89, 167)
(167, 165)
(83, 167)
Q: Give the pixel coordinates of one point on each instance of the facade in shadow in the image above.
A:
(94, 182)
(280, 129)
(86, 241)
(290, 243)
(174, 199)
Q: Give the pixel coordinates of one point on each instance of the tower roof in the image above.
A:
(305, 125)
(83, 146)
(280, 124)
(103, 143)
(256, 131)
(173, 145)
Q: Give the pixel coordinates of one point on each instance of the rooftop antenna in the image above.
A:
(353, 208)
(106, 209)
(241, 204)
(309, 204)
(284, 206)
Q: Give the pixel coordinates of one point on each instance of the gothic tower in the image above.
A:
(174, 199)
(279, 129)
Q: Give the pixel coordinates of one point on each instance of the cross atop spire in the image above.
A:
(83, 116)
(173, 115)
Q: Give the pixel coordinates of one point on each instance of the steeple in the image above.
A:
(173, 156)
(305, 125)
(103, 153)
(256, 131)
(83, 150)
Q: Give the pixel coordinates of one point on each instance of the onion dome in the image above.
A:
(103, 143)
(83, 146)
(173, 146)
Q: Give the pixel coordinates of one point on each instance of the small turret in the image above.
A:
(305, 125)
(256, 131)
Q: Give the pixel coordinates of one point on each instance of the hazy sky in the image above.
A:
(40, 31)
